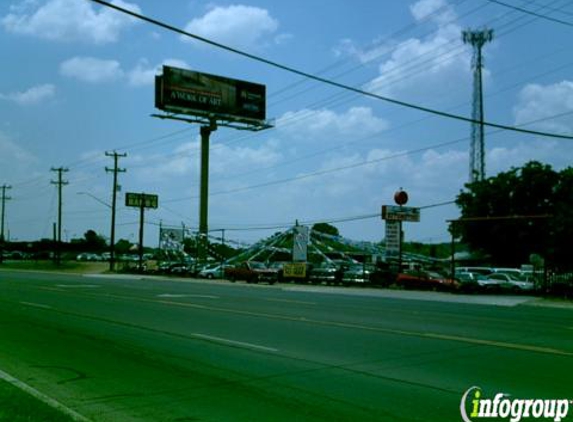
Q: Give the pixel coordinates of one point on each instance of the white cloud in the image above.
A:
(347, 47)
(31, 96)
(144, 74)
(68, 20)
(184, 160)
(429, 66)
(537, 102)
(91, 69)
(235, 25)
(324, 123)
(11, 153)
(436, 10)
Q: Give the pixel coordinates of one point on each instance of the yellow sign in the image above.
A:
(294, 270)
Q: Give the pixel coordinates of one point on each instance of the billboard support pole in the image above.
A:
(204, 190)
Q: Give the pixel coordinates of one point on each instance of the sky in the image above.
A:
(78, 80)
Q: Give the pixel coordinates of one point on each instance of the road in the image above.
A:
(130, 349)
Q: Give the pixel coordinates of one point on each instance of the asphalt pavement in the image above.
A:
(138, 349)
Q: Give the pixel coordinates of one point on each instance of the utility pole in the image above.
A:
(4, 198)
(116, 156)
(59, 183)
(477, 149)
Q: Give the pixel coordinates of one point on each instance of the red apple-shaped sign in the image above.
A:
(401, 197)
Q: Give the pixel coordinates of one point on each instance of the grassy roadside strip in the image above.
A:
(72, 267)
(19, 406)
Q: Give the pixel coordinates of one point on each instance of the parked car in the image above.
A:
(469, 282)
(510, 281)
(252, 272)
(475, 270)
(324, 273)
(213, 271)
(357, 274)
(426, 280)
(88, 257)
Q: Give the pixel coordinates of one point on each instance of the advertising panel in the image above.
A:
(136, 199)
(294, 270)
(200, 94)
(395, 213)
(300, 244)
(392, 238)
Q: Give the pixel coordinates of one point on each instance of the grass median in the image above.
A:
(18, 406)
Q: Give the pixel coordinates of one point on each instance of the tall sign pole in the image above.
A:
(4, 199)
(141, 224)
(141, 201)
(114, 188)
(204, 194)
(2, 238)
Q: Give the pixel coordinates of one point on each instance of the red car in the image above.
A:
(426, 280)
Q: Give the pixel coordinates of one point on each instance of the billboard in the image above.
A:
(200, 94)
(395, 213)
(138, 199)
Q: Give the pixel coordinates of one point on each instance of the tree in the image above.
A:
(326, 228)
(93, 242)
(532, 191)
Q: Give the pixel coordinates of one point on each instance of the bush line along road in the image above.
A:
(127, 348)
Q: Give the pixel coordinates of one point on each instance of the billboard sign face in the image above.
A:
(294, 270)
(395, 213)
(300, 244)
(392, 238)
(200, 94)
(141, 199)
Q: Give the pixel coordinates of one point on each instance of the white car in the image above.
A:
(217, 271)
(510, 282)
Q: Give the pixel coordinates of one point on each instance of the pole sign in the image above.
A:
(200, 94)
(396, 213)
(393, 237)
(141, 199)
(300, 243)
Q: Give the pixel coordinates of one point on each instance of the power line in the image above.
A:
(321, 79)
(529, 12)
(360, 164)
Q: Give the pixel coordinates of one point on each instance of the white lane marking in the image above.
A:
(42, 397)
(185, 295)
(36, 305)
(299, 302)
(235, 343)
(78, 286)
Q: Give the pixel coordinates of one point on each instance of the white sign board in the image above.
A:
(392, 238)
(396, 213)
(300, 244)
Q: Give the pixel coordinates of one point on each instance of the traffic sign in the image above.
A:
(396, 213)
